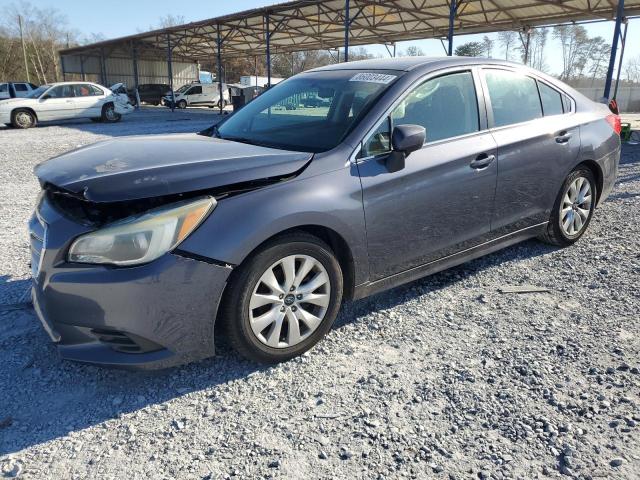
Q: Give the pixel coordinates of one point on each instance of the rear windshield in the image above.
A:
(311, 112)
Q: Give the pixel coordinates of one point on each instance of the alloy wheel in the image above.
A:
(576, 207)
(289, 301)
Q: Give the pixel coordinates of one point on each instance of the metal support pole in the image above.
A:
(347, 24)
(526, 47)
(624, 42)
(103, 68)
(219, 65)
(82, 69)
(614, 47)
(170, 72)
(268, 38)
(452, 16)
(136, 80)
(24, 48)
(64, 73)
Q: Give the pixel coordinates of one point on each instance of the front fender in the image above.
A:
(241, 223)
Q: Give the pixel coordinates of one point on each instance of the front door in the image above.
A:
(194, 95)
(57, 103)
(442, 201)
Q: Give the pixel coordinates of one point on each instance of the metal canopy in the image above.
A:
(306, 25)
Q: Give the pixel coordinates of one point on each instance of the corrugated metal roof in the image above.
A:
(311, 24)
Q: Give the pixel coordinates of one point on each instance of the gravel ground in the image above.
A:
(444, 378)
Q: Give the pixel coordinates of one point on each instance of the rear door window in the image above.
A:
(514, 97)
(551, 100)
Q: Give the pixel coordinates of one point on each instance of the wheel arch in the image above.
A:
(597, 173)
(336, 242)
(28, 109)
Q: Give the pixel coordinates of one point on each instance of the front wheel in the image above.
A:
(109, 114)
(182, 104)
(23, 119)
(573, 208)
(283, 299)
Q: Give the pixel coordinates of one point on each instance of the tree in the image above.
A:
(537, 43)
(487, 43)
(414, 51)
(574, 40)
(507, 40)
(632, 69)
(170, 20)
(470, 49)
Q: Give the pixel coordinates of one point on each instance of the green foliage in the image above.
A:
(470, 49)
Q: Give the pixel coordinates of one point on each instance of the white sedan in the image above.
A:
(63, 101)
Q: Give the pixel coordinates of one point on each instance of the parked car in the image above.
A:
(63, 101)
(268, 221)
(150, 93)
(16, 89)
(198, 95)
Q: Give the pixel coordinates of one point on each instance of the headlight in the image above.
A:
(142, 238)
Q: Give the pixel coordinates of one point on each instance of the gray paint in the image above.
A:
(437, 212)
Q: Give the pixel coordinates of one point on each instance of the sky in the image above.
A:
(119, 18)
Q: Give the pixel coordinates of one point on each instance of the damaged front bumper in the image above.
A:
(123, 108)
(150, 316)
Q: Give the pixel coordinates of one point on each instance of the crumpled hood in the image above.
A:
(149, 166)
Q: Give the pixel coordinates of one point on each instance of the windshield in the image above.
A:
(310, 112)
(37, 93)
(183, 88)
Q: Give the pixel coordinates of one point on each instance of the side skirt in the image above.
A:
(370, 288)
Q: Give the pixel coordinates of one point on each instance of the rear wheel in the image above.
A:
(283, 299)
(23, 119)
(573, 208)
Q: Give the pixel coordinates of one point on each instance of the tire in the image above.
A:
(109, 115)
(573, 209)
(284, 308)
(22, 118)
(182, 104)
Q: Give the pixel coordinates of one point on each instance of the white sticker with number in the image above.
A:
(372, 78)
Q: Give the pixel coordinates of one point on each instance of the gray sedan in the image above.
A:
(265, 223)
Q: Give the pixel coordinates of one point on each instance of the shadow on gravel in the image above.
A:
(45, 398)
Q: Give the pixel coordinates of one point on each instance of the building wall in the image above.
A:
(628, 97)
(121, 70)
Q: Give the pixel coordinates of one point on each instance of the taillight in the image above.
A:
(614, 121)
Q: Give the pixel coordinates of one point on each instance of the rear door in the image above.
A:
(22, 89)
(536, 146)
(88, 100)
(442, 201)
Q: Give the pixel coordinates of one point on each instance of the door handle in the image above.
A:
(563, 137)
(482, 161)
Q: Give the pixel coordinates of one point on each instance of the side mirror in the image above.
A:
(405, 139)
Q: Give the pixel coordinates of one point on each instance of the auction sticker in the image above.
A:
(372, 78)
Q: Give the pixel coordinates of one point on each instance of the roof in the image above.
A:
(315, 24)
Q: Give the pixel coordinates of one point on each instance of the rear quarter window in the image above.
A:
(551, 100)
